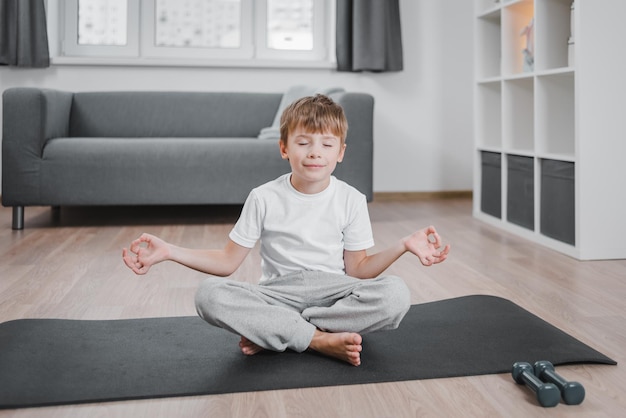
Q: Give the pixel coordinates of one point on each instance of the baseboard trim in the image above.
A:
(402, 196)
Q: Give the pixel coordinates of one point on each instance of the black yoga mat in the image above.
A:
(52, 361)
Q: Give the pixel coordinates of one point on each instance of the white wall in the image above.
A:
(423, 115)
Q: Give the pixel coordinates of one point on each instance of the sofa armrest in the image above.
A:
(357, 166)
(30, 116)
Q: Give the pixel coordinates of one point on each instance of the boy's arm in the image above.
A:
(425, 244)
(148, 250)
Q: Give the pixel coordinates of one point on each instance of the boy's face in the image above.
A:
(313, 158)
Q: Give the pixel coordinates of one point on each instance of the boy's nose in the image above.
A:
(314, 152)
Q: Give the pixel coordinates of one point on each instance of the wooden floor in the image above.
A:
(68, 265)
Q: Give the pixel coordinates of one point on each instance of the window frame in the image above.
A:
(140, 50)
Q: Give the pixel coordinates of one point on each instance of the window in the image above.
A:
(250, 31)
(290, 28)
(101, 28)
(203, 29)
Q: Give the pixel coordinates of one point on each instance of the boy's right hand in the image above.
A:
(144, 252)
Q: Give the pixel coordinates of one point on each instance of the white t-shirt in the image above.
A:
(303, 231)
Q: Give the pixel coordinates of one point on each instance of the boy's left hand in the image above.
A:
(426, 244)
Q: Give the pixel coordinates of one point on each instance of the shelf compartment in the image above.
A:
(553, 29)
(488, 49)
(486, 6)
(489, 114)
(491, 183)
(557, 212)
(518, 114)
(520, 207)
(515, 17)
(555, 116)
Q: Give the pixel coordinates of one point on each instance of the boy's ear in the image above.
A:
(283, 150)
(342, 153)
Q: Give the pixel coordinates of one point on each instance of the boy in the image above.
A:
(319, 288)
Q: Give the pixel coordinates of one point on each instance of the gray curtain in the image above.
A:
(23, 37)
(368, 35)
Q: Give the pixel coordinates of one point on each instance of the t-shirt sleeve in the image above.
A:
(247, 230)
(358, 233)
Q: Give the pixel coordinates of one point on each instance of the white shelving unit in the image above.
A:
(550, 138)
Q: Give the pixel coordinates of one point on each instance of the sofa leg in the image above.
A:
(18, 217)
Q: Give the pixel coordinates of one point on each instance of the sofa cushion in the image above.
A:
(171, 114)
(79, 171)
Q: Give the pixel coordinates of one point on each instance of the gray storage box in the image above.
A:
(557, 200)
(521, 191)
(491, 183)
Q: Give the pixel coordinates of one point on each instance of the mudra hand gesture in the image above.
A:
(144, 252)
(426, 245)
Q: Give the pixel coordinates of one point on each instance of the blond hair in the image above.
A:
(314, 114)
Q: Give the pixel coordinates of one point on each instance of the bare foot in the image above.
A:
(344, 346)
(248, 347)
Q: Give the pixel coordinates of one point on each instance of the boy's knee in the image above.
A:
(398, 298)
(208, 297)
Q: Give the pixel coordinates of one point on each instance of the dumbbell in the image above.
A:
(573, 393)
(548, 395)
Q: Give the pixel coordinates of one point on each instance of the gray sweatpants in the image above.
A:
(284, 312)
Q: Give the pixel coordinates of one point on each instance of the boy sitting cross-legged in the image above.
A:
(319, 288)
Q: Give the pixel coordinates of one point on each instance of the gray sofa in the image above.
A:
(153, 148)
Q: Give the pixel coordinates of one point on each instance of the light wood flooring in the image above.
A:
(67, 264)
